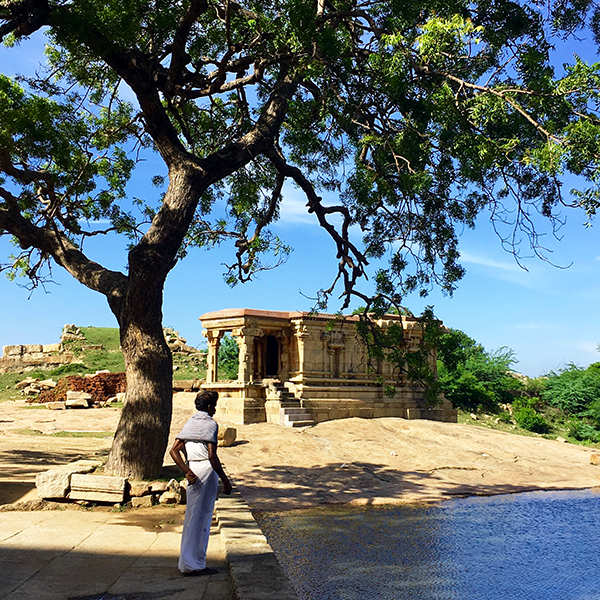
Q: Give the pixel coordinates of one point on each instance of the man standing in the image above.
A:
(195, 453)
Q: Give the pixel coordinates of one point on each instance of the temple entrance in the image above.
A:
(266, 357)
(272, 357)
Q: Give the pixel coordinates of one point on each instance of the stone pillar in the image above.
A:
(301, 333)
(284, 355)
(214, 339)
(245, 342)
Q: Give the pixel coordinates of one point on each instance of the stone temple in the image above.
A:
(297, 368)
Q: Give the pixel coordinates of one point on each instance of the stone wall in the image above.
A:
(27, 357)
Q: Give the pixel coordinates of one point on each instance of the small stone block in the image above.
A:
(143, 501)
(47, 383)
(138, 489)
(47, 348)
(226, 436)
(12, 350)
(169, 498)
(56, 405)
(595, 459)
(159, 486)
(78, 399)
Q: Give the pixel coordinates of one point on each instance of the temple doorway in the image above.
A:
(271, 357)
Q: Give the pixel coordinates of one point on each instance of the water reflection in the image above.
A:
(534, 546)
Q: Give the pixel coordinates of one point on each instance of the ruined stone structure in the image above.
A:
(297, 368)
(25, 357)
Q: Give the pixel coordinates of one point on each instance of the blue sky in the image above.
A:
(547, 315)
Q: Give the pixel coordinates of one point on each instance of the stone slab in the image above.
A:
(56, 482)
(58, 405)
(97, 488)
(92, 496)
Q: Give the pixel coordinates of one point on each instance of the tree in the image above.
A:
(228, 358)
(470, 377)
(419, 115)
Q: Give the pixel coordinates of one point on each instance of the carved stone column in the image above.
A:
(245, 341)
(301, 333)
(214, 339)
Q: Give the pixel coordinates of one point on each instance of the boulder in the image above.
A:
(226, 435)
(55, 482)
(595, 459)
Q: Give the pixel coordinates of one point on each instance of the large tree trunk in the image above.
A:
(142, 434)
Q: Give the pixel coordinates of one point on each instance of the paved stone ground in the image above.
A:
(99, 554)
(102, 555)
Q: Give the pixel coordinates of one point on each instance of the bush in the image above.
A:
(527, 418)
(504, 417)
(583, 432)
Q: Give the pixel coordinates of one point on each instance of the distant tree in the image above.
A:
(228, 358)
(419, 115)
(575, 391)
(470, 377)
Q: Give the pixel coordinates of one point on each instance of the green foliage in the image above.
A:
(472, 378)
(574, 390)
(526, 416)
(583, 432)
(228, 358)
(528, 419)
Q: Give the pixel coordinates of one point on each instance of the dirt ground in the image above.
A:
(379, 461)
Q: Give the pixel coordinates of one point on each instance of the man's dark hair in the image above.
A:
(205, 399)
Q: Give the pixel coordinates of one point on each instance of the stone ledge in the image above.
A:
(253, 566)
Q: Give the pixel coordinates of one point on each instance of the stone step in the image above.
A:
(294, 411)
(297, 417)
(301, 423)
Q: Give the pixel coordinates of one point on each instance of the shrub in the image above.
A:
(504, 417)
(583, 432)
(527, 418)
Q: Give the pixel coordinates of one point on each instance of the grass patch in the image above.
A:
(66, 434)
(82, 434)
(559, 428)
(27, 431)
(108, 337)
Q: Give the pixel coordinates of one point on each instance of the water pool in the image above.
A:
(533, 546)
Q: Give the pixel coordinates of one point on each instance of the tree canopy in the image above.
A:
(417, 115)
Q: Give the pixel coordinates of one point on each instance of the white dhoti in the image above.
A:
(201, 496)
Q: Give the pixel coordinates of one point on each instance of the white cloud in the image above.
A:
(467, 257)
